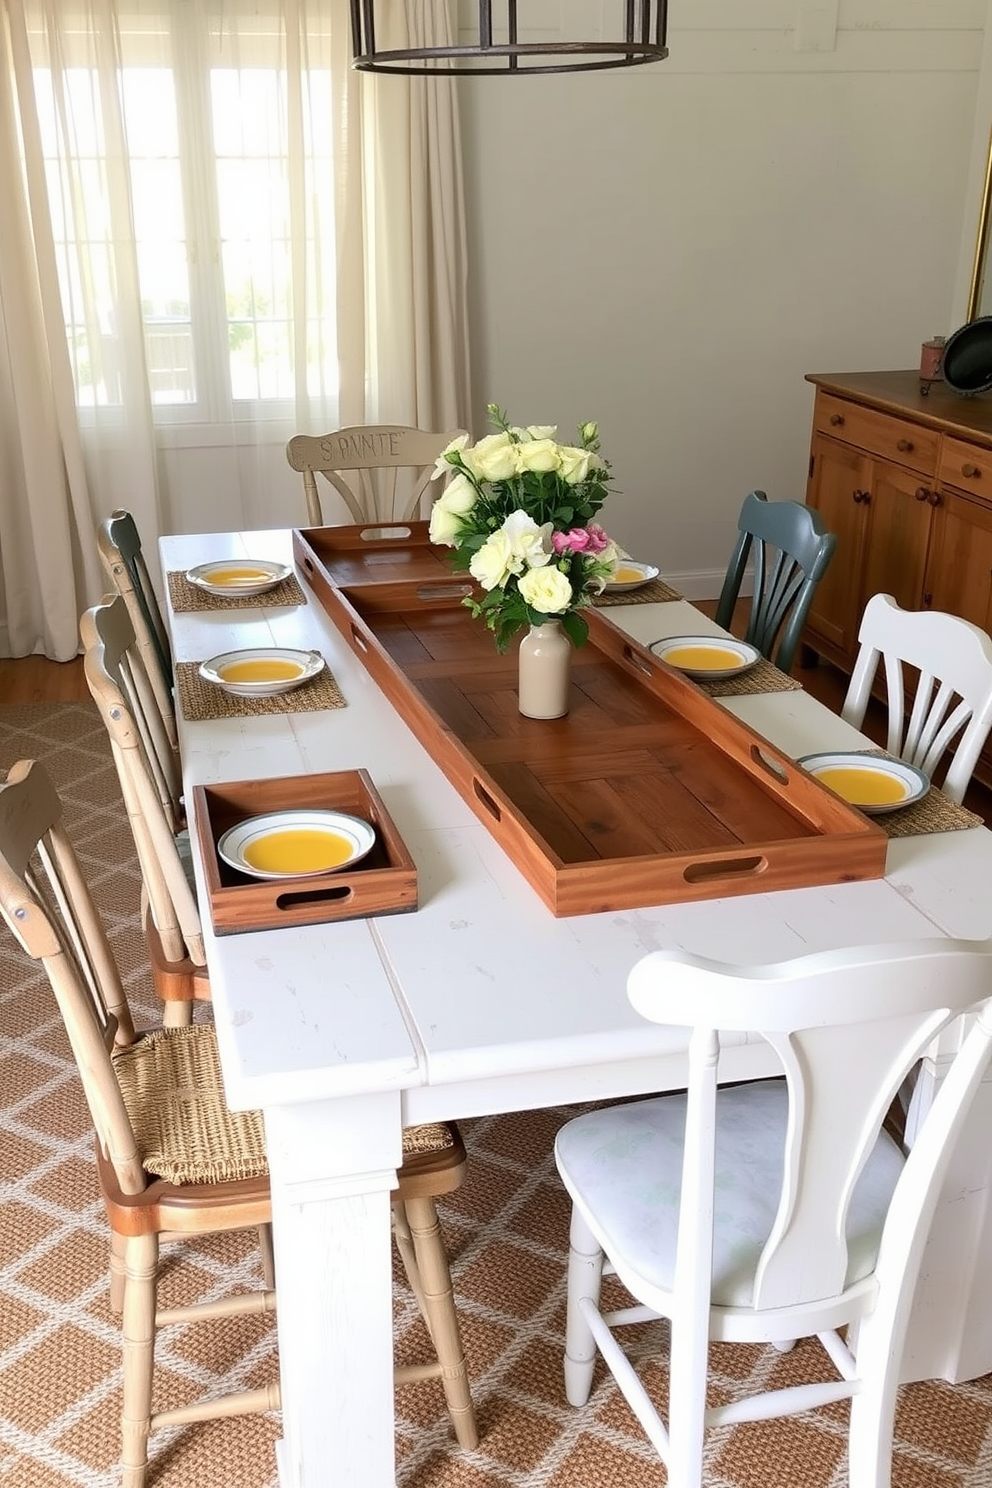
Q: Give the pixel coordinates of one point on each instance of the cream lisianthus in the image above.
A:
(529, 542)
(519, 516)
(546, 590)
(454, 503)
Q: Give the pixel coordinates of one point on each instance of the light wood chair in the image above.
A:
(390, 467)
(173, 1161)
(120, 552)
(120, 687)
(791, 551)
(775, 1210)
(950, 676)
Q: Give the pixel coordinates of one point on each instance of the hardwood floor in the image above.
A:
(33, 679)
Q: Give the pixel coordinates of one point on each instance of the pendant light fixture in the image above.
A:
(638, 35)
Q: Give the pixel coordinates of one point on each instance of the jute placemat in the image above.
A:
(203, 702)
(656, 592)
(186, 597)
(932, 813)
(764, 676)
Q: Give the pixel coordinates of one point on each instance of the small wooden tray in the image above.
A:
(384, 882)
(647, 792)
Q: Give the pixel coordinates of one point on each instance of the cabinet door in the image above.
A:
(900, 514)
(838, 489)
(959, 572)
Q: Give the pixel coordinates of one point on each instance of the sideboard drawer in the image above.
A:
(895, 439)
(967, 466)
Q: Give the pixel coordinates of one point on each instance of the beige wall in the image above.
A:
(668, 250)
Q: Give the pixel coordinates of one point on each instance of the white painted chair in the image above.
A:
(953, 696)
(389, 465)
(820, 1221)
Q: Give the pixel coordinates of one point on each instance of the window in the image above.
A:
(190, 174)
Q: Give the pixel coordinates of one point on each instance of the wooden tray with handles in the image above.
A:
(646, 792)
(384, 882)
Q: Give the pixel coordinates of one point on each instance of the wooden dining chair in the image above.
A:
(790, 551)
(120, 552)
(173, 1161)
(945, 664)
(775, 1210)
(389, 465)
(119, 684)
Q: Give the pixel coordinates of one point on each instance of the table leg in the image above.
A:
(333, 1166)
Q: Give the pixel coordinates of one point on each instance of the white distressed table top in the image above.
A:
(471, 1002)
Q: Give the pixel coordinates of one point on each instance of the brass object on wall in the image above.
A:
(980, 293)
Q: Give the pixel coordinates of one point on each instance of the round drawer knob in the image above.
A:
(905, 445)
(973, 472)
(836, 419)
(922, 494)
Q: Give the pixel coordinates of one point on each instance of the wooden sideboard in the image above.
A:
(905, 481)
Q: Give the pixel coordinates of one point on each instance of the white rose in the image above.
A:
(493, 563)
(535, 431)
(529, 543)
(442, 465)
(454, 502)
(492, 459)
(546, 590)
(537, 454)
(575, 463)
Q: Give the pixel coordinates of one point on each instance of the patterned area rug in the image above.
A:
(506, 1230)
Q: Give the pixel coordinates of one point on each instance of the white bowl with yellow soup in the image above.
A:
(874, 783)
(237, 578)
(261, 671)
(708, 657)
(629, 575)
(296, 844)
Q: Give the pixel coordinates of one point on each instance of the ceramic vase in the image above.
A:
(545, 671)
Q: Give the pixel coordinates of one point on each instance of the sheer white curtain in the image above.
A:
(247, 240)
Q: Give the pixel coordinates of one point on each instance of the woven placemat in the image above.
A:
(202, 702)
(186, 597)
(764, 676)
(656, 592)
(932, 813)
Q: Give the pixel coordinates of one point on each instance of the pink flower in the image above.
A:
(578, 540)
(598, 539)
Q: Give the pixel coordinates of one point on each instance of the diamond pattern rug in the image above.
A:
(507, 1235)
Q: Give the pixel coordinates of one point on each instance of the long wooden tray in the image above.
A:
(647, 792)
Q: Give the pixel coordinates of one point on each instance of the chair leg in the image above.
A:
(585, 1276)
(268, 1256)
(117, 1278)
(176, 1014)
(440, 1315)
(404, 1244)
(140, 1273)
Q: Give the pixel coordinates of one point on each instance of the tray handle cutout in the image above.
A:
(358, 639)
(384, 534)
(487, 800)
(703, 873)
(637, 660)
(443, 591)
(338, 894)
(773, 767)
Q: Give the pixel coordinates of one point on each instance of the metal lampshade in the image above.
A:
(638, 35)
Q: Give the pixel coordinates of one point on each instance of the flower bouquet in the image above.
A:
(518, 512)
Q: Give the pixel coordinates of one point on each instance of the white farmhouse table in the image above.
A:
(482, 1001)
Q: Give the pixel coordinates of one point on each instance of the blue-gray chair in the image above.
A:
(791, 551)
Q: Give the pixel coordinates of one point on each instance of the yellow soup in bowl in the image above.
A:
(863, 787)
(703, 658)
(627, 576)
(298, 850)
(237, 575)
(261, 669)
